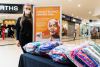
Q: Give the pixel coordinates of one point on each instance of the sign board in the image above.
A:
(11, 8)
(47, 23)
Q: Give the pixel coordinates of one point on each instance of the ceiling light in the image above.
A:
(81, 18)
(89, 12)
(74, 20)
(77, 17)
(78, 5)
(69, 0)
(72, 15)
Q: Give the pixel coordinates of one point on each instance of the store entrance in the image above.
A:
(8, 17)
(68, 30)
(7, 28)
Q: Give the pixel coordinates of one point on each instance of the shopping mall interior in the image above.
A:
(79, 24)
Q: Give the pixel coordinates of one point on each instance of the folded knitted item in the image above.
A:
(96, 64)
(72, 56)
(59, 54)
(96, 47)
(46, 47)
(79, 61)
(85, 59)
(30, 47)
(91, 54)
(94, 50)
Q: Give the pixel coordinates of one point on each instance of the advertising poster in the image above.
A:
(47, 21)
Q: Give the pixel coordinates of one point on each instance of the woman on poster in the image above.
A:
(54, 29)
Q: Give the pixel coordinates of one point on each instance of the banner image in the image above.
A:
(47, 23)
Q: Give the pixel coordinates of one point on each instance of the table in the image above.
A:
(28, 60)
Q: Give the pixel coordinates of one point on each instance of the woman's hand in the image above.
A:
(18, 43)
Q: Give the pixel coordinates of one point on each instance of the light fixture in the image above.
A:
(79, 5)
(72, 15)
(77, 17)
(69, 0)
(89, 12)
(74, 20)
(81, 18)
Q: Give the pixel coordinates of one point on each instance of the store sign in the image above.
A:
(11, 8)
(47, 23)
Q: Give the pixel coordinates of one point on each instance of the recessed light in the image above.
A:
(74, 20)
(77, 17)
(69, 0)
(79, 5)
(72, 15)
(89, 12)
(81, 18)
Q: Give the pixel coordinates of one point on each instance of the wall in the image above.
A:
(16, 1)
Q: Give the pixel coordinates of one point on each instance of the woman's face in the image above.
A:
(53, 28)
(27, 9)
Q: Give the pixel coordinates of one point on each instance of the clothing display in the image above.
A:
(92, 54)
(46, 47)
(41, 48)
(86, 59)
(58, 54)
(72, 57)
(85, 55)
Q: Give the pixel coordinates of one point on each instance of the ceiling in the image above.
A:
(86, 9)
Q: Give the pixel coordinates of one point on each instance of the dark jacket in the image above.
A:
(24, 31)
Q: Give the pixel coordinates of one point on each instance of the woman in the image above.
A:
(24, 27)
(54, 28)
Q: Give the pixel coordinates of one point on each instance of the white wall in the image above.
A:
(16, 1)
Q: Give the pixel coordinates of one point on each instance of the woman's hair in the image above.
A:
(30, 15)
(23, 16)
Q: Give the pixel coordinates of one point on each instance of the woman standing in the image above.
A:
(24, 27)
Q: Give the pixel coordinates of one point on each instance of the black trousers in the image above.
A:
(24, 40)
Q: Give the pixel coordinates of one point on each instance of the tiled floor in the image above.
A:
(78, 41)
(7, 41)
(9, 54)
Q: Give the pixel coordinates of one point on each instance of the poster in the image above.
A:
(47, 23)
